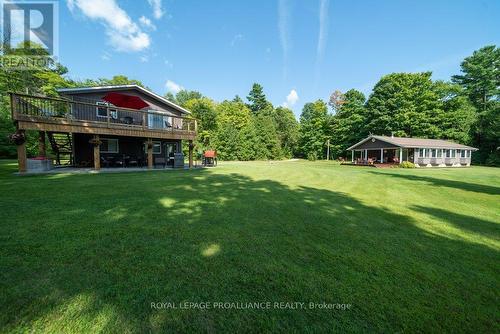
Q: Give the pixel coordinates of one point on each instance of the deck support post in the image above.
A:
(366, 155)
(191, 146)
(150, 153)
(352, 156)
(400, 155)
(42, 149)
(381, 155)
(97, 152)
(21, 153)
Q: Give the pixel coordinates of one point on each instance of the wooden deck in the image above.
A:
(53, 124)
(61, 115)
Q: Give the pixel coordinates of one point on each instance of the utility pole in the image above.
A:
(328, 149)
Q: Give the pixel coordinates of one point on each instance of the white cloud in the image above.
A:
(323, 27)
(237, 38)
(173, 87)
(157, 10)
(123, 33)
(283, 18)
(168, 63)
(322, 37)
(291, 99)
(146, 23)
(144, 59)
(106, 56)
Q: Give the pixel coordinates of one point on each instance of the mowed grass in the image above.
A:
(410, 250)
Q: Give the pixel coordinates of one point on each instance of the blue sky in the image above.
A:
(302, 50)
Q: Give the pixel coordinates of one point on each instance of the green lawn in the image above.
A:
(410, 250)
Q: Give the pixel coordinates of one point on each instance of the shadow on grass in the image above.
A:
(479, 188)
(467, 223)
(98, 250)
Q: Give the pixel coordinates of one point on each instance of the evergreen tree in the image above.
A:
(404, 104)
(481, 82)
(287, 130)
(257, 99)
(313, 134)
(347, 125)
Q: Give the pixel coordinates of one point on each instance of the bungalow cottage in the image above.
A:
(421, 152)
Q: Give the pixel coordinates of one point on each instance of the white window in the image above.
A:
(468, 153)
(421, 153)
(109, 145)
(156, 147)
(462, 153)
(158, 121)
(439, 153)
(427, 152)
(101, 110)
(433, 153)
(453, 153)
(168, 121)
(113, 113)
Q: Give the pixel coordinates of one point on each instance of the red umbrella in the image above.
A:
(125, 101)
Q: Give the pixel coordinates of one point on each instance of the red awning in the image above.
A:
(125, 101)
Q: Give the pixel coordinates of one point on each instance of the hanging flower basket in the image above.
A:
(18, 138)
(95, 142)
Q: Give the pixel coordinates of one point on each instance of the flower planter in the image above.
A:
(39, 165)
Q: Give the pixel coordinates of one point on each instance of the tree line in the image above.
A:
(465, 109)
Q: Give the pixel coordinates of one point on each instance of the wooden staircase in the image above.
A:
(62, 146)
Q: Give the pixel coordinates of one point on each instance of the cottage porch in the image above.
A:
(385, 156)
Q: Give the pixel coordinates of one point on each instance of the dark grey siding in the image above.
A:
(127, 146)
(371, 145)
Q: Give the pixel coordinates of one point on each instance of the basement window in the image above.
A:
(109, 145)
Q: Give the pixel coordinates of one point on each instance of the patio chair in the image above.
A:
(105, 161)
(132, 160)
(119, 162)
(160, 161)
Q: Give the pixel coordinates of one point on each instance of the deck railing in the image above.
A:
(98, 112)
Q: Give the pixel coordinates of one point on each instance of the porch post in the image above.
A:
(21, 154)
(366, 155)
(97, 153)
(150, 153)
(352, 156)
(400, 155)
(382, 155)
(42, 150)
(191, 146)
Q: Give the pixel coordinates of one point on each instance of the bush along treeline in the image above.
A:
(466, 110)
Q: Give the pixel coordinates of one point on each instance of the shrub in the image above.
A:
(407, 164)
(312, 156)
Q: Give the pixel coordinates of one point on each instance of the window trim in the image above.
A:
(159, 145)
(113, 112)
(101, 105)
(109, 139)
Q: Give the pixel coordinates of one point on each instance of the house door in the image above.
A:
(170, 149)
